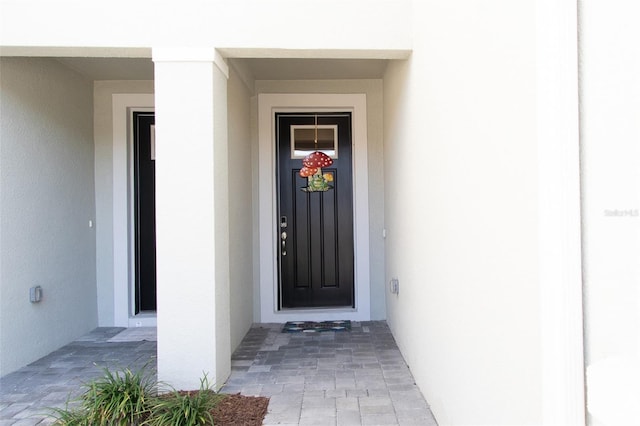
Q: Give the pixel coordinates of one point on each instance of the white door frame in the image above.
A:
(123, 106)
(268, 106)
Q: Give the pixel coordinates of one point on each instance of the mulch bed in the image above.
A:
(240, 410)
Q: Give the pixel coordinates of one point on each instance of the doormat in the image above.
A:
(316, 326)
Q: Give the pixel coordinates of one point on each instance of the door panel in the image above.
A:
(144, 212)
(316, 245)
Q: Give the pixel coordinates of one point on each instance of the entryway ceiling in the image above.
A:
(111, 68)
(260, 68)
(314, 69)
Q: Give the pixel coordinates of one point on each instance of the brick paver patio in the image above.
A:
(355, 377)
(329, 378)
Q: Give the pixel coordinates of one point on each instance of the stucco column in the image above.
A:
(192, 217)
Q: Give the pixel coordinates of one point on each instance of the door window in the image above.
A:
(308, 138)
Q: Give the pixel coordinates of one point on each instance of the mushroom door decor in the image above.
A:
(312, 168)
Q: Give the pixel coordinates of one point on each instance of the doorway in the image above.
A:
(268, 228)
(316, 248)
(144, 210)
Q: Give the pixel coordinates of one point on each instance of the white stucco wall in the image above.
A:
(104, 192)
(610, 131)
(373, 91)
(460, 169)
(240, 27)
(460, 160)
(46, 203)
(241, 176)
(222, 231)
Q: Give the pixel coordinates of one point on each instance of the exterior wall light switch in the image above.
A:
(35, 294)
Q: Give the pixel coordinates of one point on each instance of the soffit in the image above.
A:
(258, 68)
(111, 68)
(314, 69)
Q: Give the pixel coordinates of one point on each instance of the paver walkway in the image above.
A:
(27, 396)
(331, 378)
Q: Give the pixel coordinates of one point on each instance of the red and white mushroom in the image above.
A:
(317, 160)
(308, 171)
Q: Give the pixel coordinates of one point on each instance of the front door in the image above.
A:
(315, 223)
(144, 211)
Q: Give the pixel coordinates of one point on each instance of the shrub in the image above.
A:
(115, 399)
(68, 417)
(180, 408)
(129, 399)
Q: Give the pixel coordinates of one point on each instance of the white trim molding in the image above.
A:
(561, 316)
(122, 105)
(268, 105)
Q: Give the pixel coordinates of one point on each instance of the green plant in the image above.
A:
(180, 408)
(115, 399)
(70, 417)
(129, 399)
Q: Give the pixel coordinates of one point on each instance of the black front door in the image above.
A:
(315, 227)
(144, 171)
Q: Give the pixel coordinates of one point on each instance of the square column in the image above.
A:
(192, 241)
